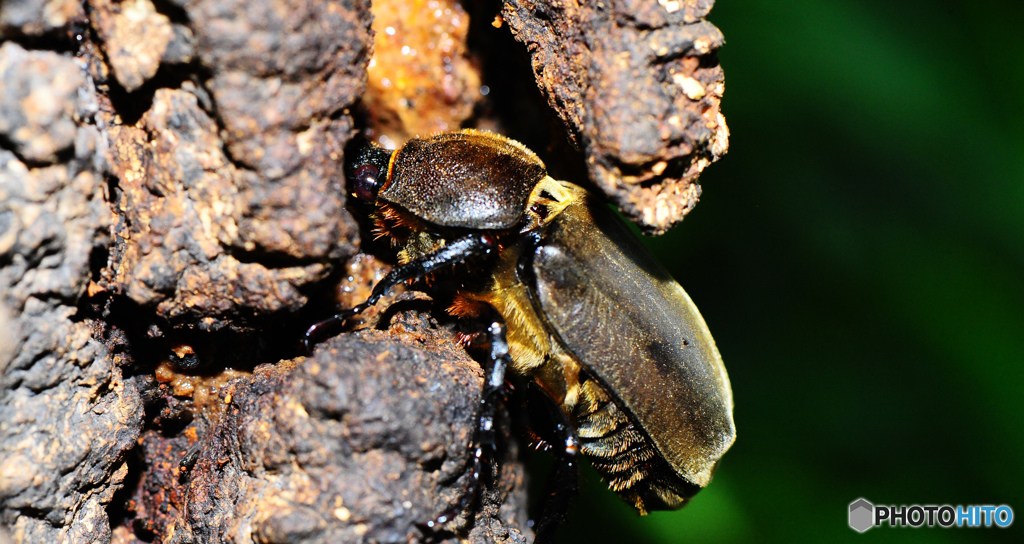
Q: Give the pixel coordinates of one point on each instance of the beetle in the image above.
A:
(570, 300)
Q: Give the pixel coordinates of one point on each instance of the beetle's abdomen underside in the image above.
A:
(625, 456)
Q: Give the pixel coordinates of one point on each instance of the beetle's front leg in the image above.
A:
(456, 252)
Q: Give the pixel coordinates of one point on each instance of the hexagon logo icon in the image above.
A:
(862, 514)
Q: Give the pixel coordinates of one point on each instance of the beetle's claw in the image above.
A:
(447, 516)
(309, 339)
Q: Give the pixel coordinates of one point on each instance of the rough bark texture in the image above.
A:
(173, 215)
(363, 441)
(67, 417)
(639, 83)
(230, 187)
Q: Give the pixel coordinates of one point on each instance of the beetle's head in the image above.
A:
(368, 170)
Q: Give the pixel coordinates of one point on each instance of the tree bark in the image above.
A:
(173, 215)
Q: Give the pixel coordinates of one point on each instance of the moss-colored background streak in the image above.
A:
(859, 257)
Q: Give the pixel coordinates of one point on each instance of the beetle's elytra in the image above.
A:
(579, 305)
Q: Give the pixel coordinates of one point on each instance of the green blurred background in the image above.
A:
(859, 257)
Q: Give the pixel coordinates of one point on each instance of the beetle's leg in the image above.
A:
(484, 441)
(561, 487)
(551, 431)
(451, 254)
(188, 462)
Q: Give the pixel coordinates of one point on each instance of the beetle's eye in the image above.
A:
(364, 181)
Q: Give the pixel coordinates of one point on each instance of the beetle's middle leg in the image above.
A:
(494, 340)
